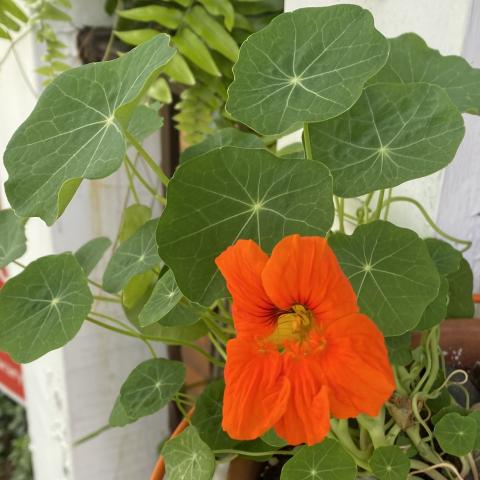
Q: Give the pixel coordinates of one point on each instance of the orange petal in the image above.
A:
(307, 417)
(356, 367)
(242, 265)
(256, 391)
(304, 270)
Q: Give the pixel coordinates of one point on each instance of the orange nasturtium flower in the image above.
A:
(303, 352)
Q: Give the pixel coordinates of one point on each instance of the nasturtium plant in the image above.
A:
(319, 318)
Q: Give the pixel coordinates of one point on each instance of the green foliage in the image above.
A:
(460, 304)
(324, 461)
(391, 271)
(12, 17)
(91, 253)
(276, 90)
(390, 463)
(261, 197)
(13, 242)
(188, 457)
(150, 386)
(456, 434)
(208, 34)
(43, 307)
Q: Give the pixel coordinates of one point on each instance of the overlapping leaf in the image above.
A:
(233, 193)
(456, 434)
(150, 386)
(187, 457)
(325, 461)
(136, 255)
(460, 304)
(394, 133)
(13, 242)
(411, 60)
(43, 307)
(75, 131)
(392, 273)
(390, 463)
(305, 66)
(91, 253)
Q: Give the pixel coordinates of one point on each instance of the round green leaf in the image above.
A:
(91, 253)
(390, 463)
(394, 133)
(456, 434)
(226, 136)
(150, 386)
(476, 416)
(119, 416)
(187, 457)
(411, 60)
(232, 193)
(136, 255)
(13, 243)
(445, 257)
(305, 66)
(164, 298)
(324, 461)
(75, 130)
(43, 308)
(392, 273)
(460, 301)
(207, 418)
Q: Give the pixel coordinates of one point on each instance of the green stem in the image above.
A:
(340, 207)
(92, 435)
(429, 470)
(380, 204)
(217, 346)
(131, 183)
(375, 427)
(423, 449)
(214, 328)
(341, 430)
(145, 183)
(307, 144)
(429, 220)
(165, 340)
(387, 208)
(150, 161)
(102, 298)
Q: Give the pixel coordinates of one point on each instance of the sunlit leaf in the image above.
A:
(75, 131)
(325, 461)
(223, 8)
(134, 216)
(390, 463)
(385, 140)
(187, 457)
(150, 386)
(411, 60)
(43, 308)
(13, 243)
(391, 271)
(137, 36)
(91, 253)
(136, 255)
(305, 66)
(168, 17)
(261, 197)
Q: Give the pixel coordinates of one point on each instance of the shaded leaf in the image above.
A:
(75, 131)
(137, 287)
(271, 438)
(411, 60)
(43, 308)
(325, 461)
(190, 332)
(188, 457)
(384, 139)
(437, 310)
(226, 136)
(390, 463)
(136, 255)
(476, 416)
(13, 243)
(446, 258)
(391, 271)
(292, 71)
(400, 349)
(150, 386)
(263, 198)
(460, 301)
(456, 434)
(118, 416)
(207, 418)
(145, 121)
(91, 253)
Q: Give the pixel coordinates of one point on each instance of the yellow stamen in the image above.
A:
(294, 325)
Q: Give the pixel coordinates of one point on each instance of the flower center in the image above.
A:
(294, 325)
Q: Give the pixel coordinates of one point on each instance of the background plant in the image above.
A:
(375, 113)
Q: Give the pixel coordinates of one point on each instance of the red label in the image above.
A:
(10, 372)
